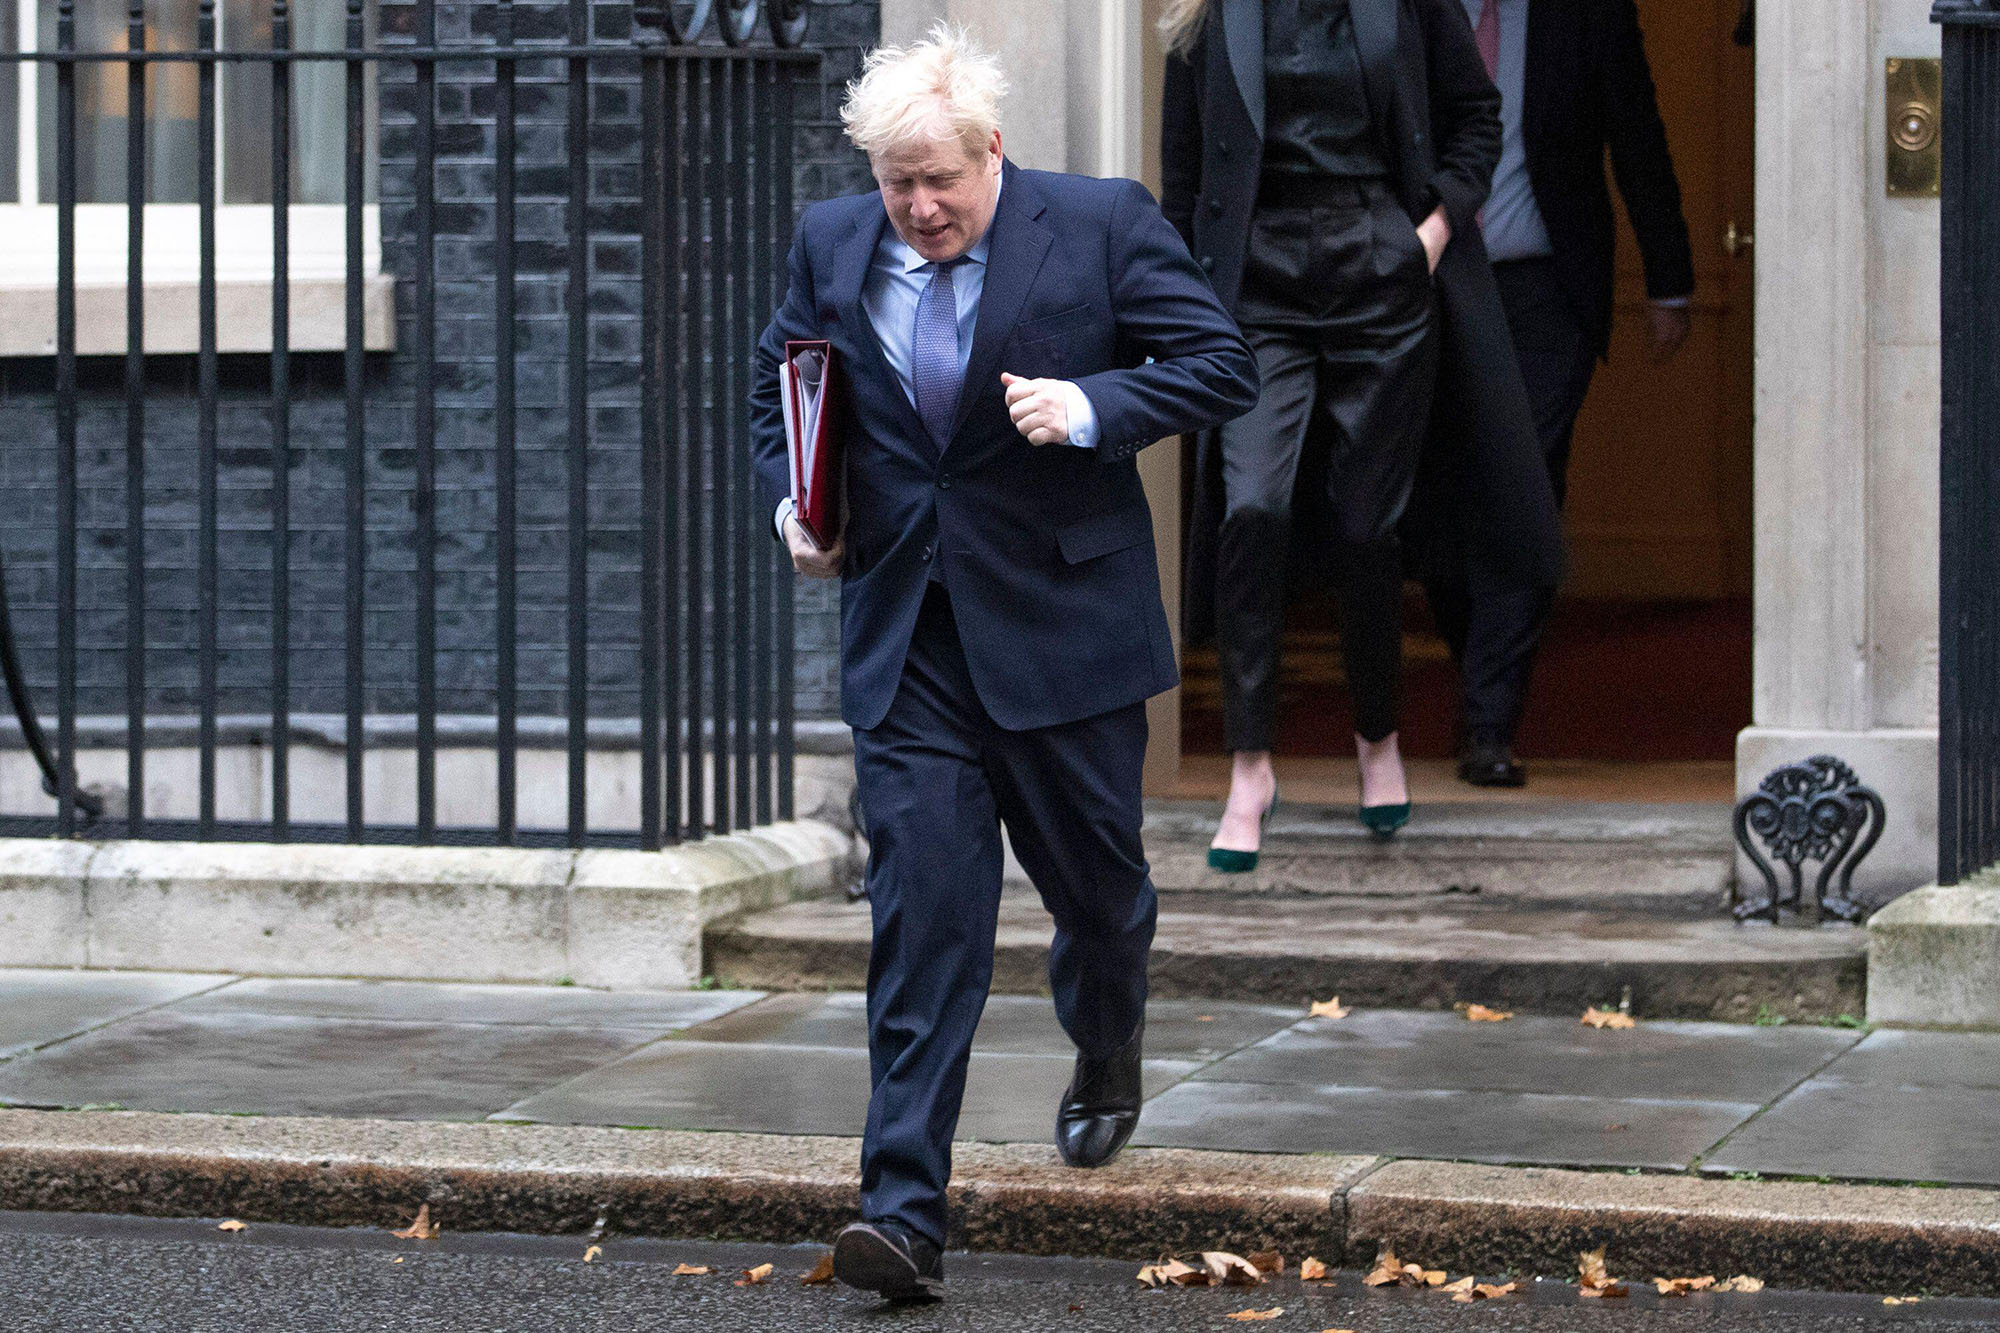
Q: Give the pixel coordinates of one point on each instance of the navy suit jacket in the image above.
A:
(1047, 550)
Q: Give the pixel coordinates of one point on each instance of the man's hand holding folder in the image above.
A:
(806, 392)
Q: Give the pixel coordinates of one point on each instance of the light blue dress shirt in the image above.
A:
(897, 276)
(1512, 223)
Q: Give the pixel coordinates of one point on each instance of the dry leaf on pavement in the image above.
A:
(1174, 1272)
(692, 1270)
(1256, 1316)
(1594, 1017)
(1268, 1261)
(1479, 1013)
(420, 1229)
(822, 1271)
(1329, 1009)
(1741, 1282)
(753, 1276)
(1901, 1300)
(591, 1254)
(1681, 1286)
(1388, 1269)
(1311, 1270)
(1460, 1290)
(1230, 1270)
(1594, 1278)
(1490, 1291)
(233, 1225)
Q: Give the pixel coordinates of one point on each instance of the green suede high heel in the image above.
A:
(1383, 820)
(1232, 862)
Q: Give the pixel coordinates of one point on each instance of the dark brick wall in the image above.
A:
(824, 165)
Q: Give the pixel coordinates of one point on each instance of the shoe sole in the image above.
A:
(867, 1262)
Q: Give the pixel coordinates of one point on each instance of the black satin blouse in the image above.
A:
(1315, 106)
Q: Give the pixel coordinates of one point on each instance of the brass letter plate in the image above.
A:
(1915, 94)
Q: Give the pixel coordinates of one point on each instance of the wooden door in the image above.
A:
(1659, 492)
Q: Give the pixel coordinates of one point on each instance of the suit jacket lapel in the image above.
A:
(1375, 23)
(852, 261)
(1018, 244)
(1243, 40)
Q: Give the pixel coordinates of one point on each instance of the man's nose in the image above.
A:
(923, 204)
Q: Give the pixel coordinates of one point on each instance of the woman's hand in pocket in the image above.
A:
(1435, 232)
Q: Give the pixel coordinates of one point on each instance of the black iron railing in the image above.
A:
(1969, 445)
(705, 586)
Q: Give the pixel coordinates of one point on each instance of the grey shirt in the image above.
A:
(1512, 223)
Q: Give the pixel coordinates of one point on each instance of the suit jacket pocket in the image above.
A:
(1101, 534)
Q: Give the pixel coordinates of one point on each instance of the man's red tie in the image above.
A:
(1487, 34)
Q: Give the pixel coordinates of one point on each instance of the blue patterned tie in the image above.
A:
(934, 365)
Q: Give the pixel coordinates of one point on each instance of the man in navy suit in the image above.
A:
(1010, 340)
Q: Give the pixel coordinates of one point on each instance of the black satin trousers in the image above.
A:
(1337, 305)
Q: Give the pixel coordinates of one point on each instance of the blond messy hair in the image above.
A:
(1181, 24)
(943, 87)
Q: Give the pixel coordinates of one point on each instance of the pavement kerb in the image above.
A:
(759, 1187)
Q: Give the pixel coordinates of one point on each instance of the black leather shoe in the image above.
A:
(1488, 761)
(1101, 1108)
(888, 1259)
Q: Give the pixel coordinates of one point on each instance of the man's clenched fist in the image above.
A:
(807, 558)
(1040, 409)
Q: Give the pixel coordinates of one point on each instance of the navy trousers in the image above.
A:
(938, 778)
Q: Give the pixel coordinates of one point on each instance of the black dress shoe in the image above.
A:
(1101, 1108)
(885, 1258)
(1489, 762)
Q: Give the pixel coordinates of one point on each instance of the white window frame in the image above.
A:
(170, 266)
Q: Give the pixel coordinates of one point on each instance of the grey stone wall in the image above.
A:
(463, 214)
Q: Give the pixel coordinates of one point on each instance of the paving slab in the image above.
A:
(278, 1065)
(43, 1005)
(1858, 1131)
(1472, 1126)
(1921, 1059)
(435, 1002)
(802, 1090)
(1379, 1048)
(1011, 1024)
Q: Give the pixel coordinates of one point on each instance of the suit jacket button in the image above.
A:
(1208, 263)
(1215, 205)
(944, 483)
(927, 553)
(1222, 147)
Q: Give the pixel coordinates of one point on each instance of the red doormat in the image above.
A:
(1621, 681)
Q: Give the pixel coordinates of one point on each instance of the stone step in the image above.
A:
(1674, 857)
(1541, 958)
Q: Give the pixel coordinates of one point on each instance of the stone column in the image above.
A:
(1846, 442)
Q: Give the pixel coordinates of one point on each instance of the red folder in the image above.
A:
(806, 394)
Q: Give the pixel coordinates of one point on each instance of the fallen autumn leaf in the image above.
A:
(1268, 1261)
(422, 1228)
(1256, 1316)
(1311, 1270)
(1594, 1278)
(1329, 1009)
(1230, 1270)
(1388, 1268)
(692, 1270)
(1479, 1013)
(822, 1271)
(755, 1276)
(233, 1225)
(1608, 1018)
(590, 1255)
(1742, 1282)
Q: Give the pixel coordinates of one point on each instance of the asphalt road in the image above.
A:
(63, 1272)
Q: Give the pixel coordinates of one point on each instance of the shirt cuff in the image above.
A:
(1082, 417)
(784, 512)
(1670, 302)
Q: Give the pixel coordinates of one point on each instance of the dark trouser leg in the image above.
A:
(1502, 626)
(1260, 462)
(934, 868)
(1070, 798)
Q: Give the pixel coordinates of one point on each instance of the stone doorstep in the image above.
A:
(1934, 957)
(600, 917)
(772, 1188)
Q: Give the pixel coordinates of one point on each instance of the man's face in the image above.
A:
(939, 197)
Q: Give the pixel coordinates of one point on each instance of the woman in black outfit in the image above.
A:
(1326, 160)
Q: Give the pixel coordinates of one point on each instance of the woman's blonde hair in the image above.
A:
(1181, 24)
(943, 87)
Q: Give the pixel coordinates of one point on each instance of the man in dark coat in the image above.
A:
(1574, 85)
(1010, 341)
(1484, 489)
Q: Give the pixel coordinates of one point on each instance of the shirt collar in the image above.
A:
(910, 261)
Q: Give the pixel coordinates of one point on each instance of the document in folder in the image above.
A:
(805, 391)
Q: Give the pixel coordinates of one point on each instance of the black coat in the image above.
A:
(1438, 118)
(1589, 89)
